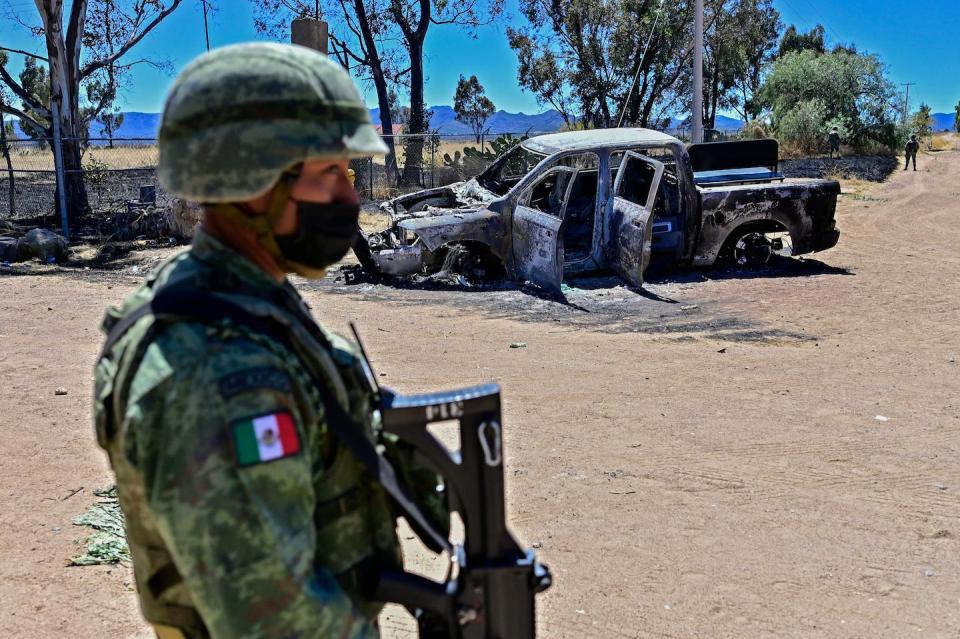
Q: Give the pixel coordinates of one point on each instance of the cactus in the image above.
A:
(473, 161)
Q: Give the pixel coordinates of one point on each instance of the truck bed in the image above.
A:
(801, 206)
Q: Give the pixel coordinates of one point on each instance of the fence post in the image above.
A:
(58, 166)
(370, 173)
(433, 164)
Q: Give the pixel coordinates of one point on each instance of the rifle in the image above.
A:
(491, 596)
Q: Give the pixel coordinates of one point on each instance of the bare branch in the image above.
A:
(6, 108)
(132, 42)
(26, 53)
(347, 51)
(22, 93)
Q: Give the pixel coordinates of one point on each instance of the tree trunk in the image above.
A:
(6, 156)
(413, 162)
(64, 60)
(383, 94)
(711, 116)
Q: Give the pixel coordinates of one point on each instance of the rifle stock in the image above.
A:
(491, 596)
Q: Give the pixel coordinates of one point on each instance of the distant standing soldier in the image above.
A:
(217, 393)
(834, 142)
(911, 150)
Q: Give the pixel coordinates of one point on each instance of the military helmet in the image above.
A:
(238, 117)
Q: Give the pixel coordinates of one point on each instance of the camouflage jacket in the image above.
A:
(244, 516)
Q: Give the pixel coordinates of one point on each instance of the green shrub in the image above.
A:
(755, 130)
(801, 128)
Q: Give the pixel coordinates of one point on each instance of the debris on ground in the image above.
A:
(43, 244)
(9, 248)
(60, 391)
(108, 545)
(518, 345)
(178, 220)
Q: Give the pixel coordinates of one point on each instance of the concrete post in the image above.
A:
(309, 32)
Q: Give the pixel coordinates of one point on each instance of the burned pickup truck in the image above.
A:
(617, 199)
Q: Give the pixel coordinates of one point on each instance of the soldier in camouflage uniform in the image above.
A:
(245, 516)
(911, 151)
(834, 139)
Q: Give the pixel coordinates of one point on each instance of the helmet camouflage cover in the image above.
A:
(238, 117)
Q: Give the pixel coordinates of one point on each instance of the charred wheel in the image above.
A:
(752, 249)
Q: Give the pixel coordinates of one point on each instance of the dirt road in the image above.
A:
(727, 456)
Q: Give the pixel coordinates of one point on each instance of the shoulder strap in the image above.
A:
(172, 305)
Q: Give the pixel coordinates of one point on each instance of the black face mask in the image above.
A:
(325, 232)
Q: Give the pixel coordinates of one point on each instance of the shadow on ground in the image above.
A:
(778, 267)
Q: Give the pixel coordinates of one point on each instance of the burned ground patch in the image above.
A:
(869, 168)
(677, 305)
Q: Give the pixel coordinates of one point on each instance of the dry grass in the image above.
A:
(135, 157)
(943, 142)
(119, 157)
(373, 221)
(854, 188)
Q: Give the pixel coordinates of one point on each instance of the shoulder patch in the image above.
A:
(253, 379)
(264, 438)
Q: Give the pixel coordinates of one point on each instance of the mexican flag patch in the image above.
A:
(265, 438)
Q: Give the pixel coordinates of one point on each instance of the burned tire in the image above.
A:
(751, 250)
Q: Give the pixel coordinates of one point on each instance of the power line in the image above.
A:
(640, 64)
(820, 22)
(833, 33)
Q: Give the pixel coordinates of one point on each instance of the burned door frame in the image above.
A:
(593, 258)
(630, 232)
(537, 237)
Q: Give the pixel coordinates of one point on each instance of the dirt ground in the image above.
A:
(728, 455)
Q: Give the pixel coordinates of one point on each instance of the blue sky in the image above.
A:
(918, 40)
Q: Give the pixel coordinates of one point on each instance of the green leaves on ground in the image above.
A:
(108, 545)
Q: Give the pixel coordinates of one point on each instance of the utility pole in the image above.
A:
(206, 29)
(906, 101)
(697, 134)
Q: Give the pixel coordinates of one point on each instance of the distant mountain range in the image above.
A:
(135, 125)
(721, 123)
(443, 120)
(944, 121)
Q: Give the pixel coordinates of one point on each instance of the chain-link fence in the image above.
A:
(427, 161)
(113, 171)
(121, 173)
(28, 182)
